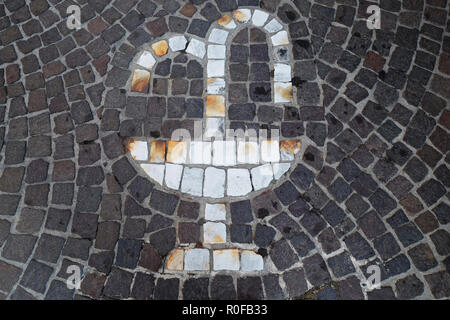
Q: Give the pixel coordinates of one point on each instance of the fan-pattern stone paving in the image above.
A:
(369, 187)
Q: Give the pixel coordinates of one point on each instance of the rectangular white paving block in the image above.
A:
(200, 152)
(216, 68)
(216, 86)
(192, 181)
(139, 150)
(282, 72)
(227, 259)
(218, 36)
(251, 261)
(215, 127)
(270, 150)
(154, 171)
(214, 232)
(146, 60)
(273, 26)
(283, 92)
(280, 39)
(175, 260)
(224, 153)
(215, 212)
(196, 260)
(196, 48)
(289, 148)
(248, 152)
(173, 175)
(279, 169)
(177, 43)
(242, 15)
(238, 183)
(216, 51)
(259, 18)
(214, 185)
(262, 176)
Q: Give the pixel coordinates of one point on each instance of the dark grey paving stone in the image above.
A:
(341, 265)
(409, 287)
(196, 289)
(36, 276)
(118, 284)
(167, 289)
(249, 288)
(222, 288)
(19, 247)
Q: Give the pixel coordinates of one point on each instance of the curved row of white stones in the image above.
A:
(171, 170)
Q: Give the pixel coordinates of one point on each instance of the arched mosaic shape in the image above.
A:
(218, 161)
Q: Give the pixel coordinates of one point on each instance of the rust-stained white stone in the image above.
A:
(251, 261)
(242, 15)
(214, 233)
(160, 48)
(154, 171)
(215, 106)
(289, 149)
(227, 22)
(177, 151)
(283, 92)
(227, 259)
(196, 260)
(138, 150)
(214, 185)
(238, 182)
(158, 151)
(175, 260)
(141, 81)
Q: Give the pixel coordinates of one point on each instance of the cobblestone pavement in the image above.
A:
(369, 187)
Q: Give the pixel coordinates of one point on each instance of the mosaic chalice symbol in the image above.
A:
(218, 163)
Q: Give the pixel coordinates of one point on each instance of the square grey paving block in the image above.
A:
(58, 291)
(36, 276)
(9, 275)
(30, 220)
(18, 247)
